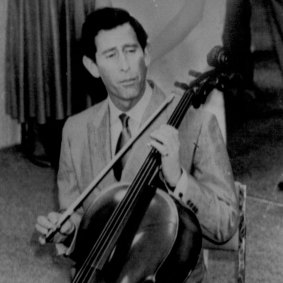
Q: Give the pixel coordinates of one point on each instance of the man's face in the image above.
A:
(122, 65)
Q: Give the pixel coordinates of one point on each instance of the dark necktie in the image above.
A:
(122, 140)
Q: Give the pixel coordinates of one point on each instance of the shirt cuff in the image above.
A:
(182, 185)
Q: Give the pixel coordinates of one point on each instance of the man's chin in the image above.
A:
(130, 93)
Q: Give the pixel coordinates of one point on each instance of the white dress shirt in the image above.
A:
(135, 114)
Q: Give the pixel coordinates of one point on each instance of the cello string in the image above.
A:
(179, 114)
(174, 119)
(124, 213)
(120, 214)
(82, 269)
(125, 205)
(172, 122)
(89, 258)
(98, 246)
(135, 194)
(139, 177)
(121, 208)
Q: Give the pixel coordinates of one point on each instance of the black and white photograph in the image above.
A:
(141, 141)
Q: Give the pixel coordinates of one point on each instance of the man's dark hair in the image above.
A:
(107, 19)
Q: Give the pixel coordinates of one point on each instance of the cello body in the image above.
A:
(161, 243)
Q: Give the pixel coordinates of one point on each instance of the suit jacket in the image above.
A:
(206, 186)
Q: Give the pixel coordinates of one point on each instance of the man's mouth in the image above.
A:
(128, 82)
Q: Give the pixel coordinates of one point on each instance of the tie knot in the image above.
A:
(125, 120)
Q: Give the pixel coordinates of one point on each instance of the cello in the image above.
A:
(137, 232)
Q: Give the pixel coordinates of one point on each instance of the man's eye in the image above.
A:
(110, 55)
(131, 50)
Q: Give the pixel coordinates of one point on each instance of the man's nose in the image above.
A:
(124, 63)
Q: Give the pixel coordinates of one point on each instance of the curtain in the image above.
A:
(274, 12)
(45, 77)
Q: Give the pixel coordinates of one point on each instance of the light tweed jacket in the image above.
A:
(207, 186)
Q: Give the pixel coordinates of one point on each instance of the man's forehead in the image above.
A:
(119, 36)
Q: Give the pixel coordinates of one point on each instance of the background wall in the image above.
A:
(9, 129)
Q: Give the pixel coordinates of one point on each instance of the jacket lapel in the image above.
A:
(140, 150)
(100, 144)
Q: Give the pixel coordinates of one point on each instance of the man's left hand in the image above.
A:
(166, 141)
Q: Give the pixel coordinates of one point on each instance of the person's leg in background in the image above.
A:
(237, 41)
(237, 37)
(274, 12)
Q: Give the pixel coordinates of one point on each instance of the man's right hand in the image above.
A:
(45, 223)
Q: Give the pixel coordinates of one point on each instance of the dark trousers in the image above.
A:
(237, 36)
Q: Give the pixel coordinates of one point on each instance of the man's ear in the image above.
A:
(147, 58)
(91, 66)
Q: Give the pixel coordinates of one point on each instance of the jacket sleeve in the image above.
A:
(68, 190)
(207, 187)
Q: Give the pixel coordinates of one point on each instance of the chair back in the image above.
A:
(237, 240)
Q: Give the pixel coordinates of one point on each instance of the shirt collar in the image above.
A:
(136, 113)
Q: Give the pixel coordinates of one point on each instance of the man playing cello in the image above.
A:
(194, 162)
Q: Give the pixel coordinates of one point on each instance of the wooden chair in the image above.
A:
(238, 241)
